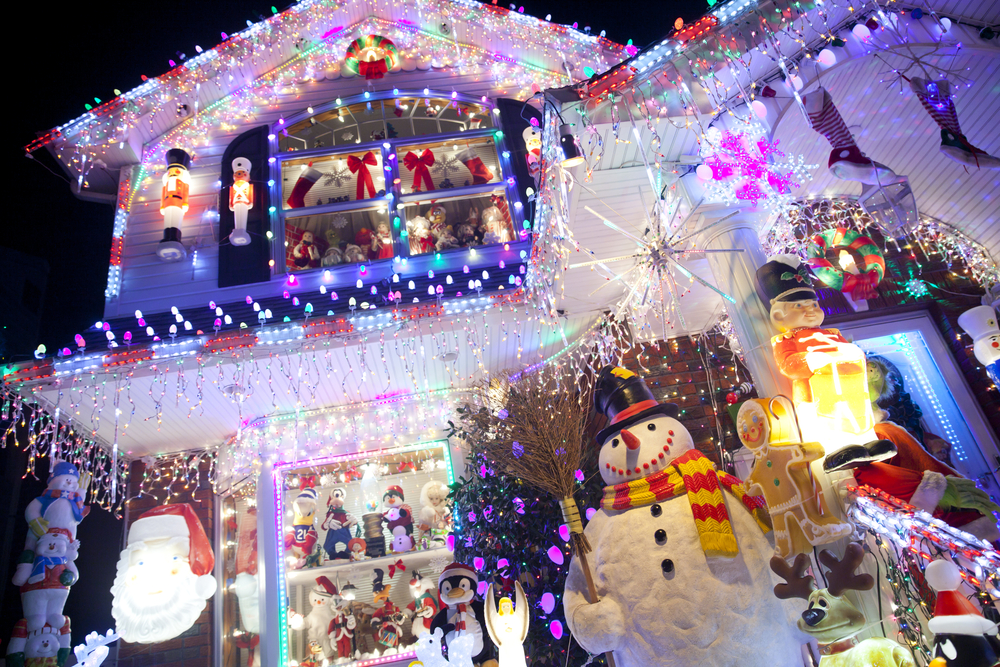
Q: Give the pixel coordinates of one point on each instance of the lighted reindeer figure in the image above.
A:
(831, 618)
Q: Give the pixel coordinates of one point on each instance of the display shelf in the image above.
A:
(411, 559)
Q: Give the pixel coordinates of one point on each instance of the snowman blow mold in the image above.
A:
(680, 556)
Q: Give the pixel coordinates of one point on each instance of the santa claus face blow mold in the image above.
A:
(163, 576)
(675, 590)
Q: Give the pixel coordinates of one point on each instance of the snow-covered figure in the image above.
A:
(981, 323)
(682, 574)
(324, 598)
(508, 626)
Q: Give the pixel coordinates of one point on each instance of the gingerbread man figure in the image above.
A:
(781, 473)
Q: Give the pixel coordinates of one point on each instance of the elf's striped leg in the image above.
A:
(846, 160)
(936, 98)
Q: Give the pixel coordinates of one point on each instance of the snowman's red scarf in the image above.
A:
(693, 473)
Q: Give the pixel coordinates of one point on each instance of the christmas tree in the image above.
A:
(511, 531)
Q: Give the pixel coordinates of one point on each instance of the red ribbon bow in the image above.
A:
(420, 165)
(861, 286)
(405, 465)
(374, 69)
(307, 482)
(398, 565)
(358, 166)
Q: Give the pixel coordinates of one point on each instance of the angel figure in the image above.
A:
(508, 627)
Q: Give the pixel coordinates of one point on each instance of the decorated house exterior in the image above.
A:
(341, 227)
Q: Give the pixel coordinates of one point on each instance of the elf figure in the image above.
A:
(240, 200)
(480, 172)
(828, 374)
(338, 525)
(306, 180)
(846, 160)
(936, 98)
(981, 323)
(174, 204)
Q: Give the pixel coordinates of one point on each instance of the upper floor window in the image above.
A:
(383, 179)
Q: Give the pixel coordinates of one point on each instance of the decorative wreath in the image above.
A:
(871, 265)
(371, 56)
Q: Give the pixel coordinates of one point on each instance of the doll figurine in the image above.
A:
(383, 242)
(357, 547)
(365, 240)
(305, 253)
(781, 474)
(425, 605)
(443, 238)
(338, 525)
(435, 515)
(419, 232)
(493, 227)
(341, 631)
(828, 373)
(354, 254)
(466, 231)
(240, 200)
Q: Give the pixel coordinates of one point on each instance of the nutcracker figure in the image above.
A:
(240, 200)
(174, 204)
(828, 373)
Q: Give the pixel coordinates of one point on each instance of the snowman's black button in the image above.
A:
(667, 566)
(661, 536)
(656, 510)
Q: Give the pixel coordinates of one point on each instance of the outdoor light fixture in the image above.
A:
(571, 154)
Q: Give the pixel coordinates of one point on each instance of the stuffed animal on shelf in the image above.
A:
(354, 254)
(305, 253)
(466, 231)
(323, 600)
(425, 605)
(401, 540)
(671, 582)
(397, 514)
(508, 625)
(47, 646)
(962, 636)
(782, 474)
(493, 227)
(443, 238)
(828, 373)
(831, 618)
(338, 524)
(382, 243)
(332, 257)
(301, 538)
(357, 547)
(387, 619)
(418, 230)
(365, 240)
(341, 632)
(462, 614)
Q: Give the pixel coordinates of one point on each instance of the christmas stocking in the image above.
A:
(846, 160)
(480, 172)
(936, 98)
(307, 179)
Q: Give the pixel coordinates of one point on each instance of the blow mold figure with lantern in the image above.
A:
(828, 373)
(681, 571)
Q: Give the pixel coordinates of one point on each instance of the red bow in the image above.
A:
(419, 166)
(860, 286)
(406, 465)
(248, 641)
(357, 166)
(398, 565)
(307, 482)
(375, 69)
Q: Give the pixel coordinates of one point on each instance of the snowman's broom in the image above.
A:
(535, 430)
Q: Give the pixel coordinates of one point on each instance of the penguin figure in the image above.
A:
(462, 613)
(962, 636)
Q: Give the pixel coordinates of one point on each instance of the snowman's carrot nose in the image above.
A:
(631, 441)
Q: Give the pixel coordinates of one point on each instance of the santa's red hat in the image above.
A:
(456, 570)
(395, 491)
(325, 587)
(169, 521)
(954, 614)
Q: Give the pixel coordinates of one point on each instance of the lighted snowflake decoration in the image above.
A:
(917, 288)
(450, 164)
(748, 167)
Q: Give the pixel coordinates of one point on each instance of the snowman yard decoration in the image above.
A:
(681, 571)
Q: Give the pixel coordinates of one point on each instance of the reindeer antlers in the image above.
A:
(841, 575)
(797, 585)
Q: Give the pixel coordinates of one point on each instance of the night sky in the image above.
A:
(85, 50)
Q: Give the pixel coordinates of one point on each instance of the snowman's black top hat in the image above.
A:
(625, 399)
(784, 278)
(178, 157)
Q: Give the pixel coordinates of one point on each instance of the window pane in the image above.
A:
(457, 222)
(331, 179)
(448, 164)
(419, 116)
(354, 124)
(331, 239)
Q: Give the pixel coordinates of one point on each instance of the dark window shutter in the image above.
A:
(246, 264)
(515, 117)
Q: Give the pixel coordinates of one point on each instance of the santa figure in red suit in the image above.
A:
(341, 631)
(828, 373)
(174, 204)
(240, 200)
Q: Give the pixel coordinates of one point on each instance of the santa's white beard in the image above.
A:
(147, 620)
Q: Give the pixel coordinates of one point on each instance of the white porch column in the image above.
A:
(267, 568)
(735, 274)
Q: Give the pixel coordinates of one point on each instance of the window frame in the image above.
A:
(279, 215)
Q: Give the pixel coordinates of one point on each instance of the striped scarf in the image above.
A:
(695, 474)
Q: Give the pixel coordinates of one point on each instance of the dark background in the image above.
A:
(69, 56)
